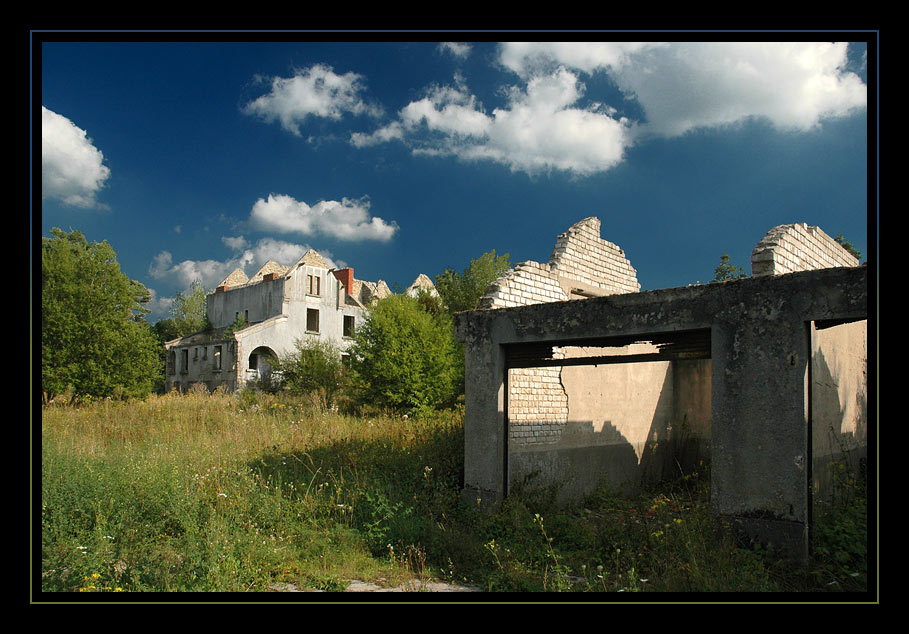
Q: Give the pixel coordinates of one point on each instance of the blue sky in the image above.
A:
(397, 158)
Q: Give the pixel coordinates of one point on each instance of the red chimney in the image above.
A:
(346, 278)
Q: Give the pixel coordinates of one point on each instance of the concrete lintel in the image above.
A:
(840, 293)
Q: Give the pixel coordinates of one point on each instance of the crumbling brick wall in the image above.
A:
(580, 254)
(582, 264)
(798, 247)
(526, 283)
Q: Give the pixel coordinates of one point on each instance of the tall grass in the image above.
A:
(235, 493)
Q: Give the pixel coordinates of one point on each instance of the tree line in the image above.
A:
(96, 340)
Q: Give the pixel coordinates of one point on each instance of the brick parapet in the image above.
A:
(798, 247)
(581, 254)
(526, 283)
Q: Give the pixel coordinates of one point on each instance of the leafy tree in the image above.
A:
(843, 242)
(405, 358)
(313, 366)
(462, 291)
(727, 271)
(94, 336)
(189, 308)
(188, 314)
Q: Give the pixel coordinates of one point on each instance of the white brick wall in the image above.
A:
(537, 401)
(581, 254)
(798, 247)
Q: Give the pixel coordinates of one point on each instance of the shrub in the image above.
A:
(405, 358)
(313, 367)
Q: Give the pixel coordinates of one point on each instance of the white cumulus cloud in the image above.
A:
(316, 91)
(348, 219)
(686, 85)
(549, 122)
(72, 168)
(541, 128)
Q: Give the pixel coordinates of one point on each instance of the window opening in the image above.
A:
(313, 285)
(312, 320)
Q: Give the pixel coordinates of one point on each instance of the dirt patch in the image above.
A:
(364, 586)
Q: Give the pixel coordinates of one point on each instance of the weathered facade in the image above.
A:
(255, 320)
(627, 386)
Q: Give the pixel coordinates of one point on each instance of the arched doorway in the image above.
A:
(260, 364)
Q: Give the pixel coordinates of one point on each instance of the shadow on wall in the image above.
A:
(839, 410)
(629, 425)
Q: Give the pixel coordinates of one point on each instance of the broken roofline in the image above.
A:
(671, 309)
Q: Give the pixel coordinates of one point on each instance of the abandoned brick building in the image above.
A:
(275, 307)
(765, 377)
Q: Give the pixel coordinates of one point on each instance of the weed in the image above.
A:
(220, 492)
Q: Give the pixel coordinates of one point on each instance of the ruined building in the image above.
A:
(762, 377)
(255, 320)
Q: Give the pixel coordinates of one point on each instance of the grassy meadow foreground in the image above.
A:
(236, 493)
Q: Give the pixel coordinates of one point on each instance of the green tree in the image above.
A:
(313, 366)
(94, 336)
(405, 358)
(188, 314)
(462, 291)
(843, 242)
(189, 308)
(727, 271)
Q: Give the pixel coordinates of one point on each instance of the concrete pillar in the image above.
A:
(760, 447)
(485, 438)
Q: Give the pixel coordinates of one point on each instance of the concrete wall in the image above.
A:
(580, 426)
(783, 390)
(624, 425)
(839, 354)
(839, 406)
(256, 302)
(760, 347)
(201, 364)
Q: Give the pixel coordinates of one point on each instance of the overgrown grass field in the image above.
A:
(238, 493)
